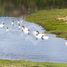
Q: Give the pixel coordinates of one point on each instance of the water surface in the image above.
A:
(16, 45)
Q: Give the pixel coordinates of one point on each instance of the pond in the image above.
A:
(15, 45)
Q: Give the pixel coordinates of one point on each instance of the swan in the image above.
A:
(25, 30)
(18, 22)
(12, 23)
(40, 35)
(37, 34)
(19, 27)
(2, 25)
(44, 37)
(7, 29)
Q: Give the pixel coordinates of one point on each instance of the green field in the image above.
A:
(48, 19)
(8, 63)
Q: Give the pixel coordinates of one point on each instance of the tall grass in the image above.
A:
(13, 63)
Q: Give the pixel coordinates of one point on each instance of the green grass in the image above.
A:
(48, 20)
(13, 63)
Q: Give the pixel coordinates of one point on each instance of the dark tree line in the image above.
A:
(31, 5)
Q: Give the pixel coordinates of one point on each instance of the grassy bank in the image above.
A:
(8, 63)
(54, 21)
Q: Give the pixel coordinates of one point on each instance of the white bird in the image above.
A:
(37, 34)
(40, 35)
(44, 37)
(12, 23)
(1, 25)
(66, 43)
(19, 27)
(25, 30)
(7, 29)
(18, 22)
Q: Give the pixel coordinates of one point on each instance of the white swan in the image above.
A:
(19, 27)
(7, 29)
(2, 25)
(40, 35)
(45, 37)
(37, 34)
(12, 23)
(25, 30)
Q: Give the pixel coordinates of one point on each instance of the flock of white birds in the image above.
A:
(25, 30)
